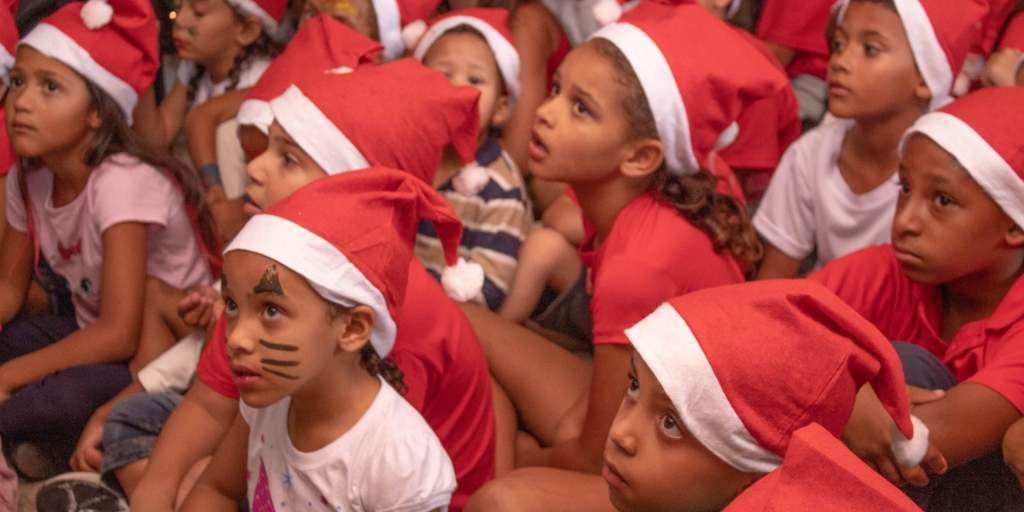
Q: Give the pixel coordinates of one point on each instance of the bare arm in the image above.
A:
(777, 264)
(566, 217)
(785, 54)
(222, 485)
(201, 125)
(159, 125)
(88, 455)
(16, 261)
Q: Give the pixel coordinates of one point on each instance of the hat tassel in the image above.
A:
(471, 179)
(96, 14)
(909, 452)
(463, 281)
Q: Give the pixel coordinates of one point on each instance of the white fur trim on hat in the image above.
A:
(389, 28)
(981, 161)
(463, 281)
(670, 349)
(251, 8)
(412, 33)
(662, 93)
(471, 179)
(328, 270)
(316, 134)
(909, 452)
(52, 42)
(255, 113)
(504, 53)
(6, 63)
(96, 14)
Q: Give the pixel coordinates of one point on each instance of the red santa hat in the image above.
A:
(393, 18)
(940, 34)
(352, 236)
(696, 73)
(820, 473)
(269, 12)
(746, 365)
(112, 44)
(981, 130)
(8, 37)
(321, 45)
(492, 23)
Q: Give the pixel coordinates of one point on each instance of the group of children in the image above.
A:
(403, 255)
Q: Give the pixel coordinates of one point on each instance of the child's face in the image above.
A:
(872, 72)
(48, 108)
(652, 463)
(280, 335)
(282, 169)
(208, 32)
(946, 226)
(357, 14)
(579, 132)
(466, 59)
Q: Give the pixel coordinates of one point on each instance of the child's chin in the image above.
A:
(259, 400)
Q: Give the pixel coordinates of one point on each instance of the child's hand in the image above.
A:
(1001, 68)
(88, 455)
(200, 308)
(1013, 449)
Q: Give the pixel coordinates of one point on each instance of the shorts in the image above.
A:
(569, 313)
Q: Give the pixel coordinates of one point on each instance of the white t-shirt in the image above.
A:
(120, 189)
(390, 460)
(206, 89)
(809, 205)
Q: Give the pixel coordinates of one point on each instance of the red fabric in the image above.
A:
(992, 25)
(767, 126)
(7, 155)
(800, 26)
(651, 255)
(1013, 35)
(988, 352)
(445, 373)
(820, 473)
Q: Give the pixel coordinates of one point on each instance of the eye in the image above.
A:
(942, 200)
(476, 81)
(837, 46)
(871, 50)
(580, 108)
(555, 87)
(271, 312)
(634, 386)
(670, 427)
(51, 86)
(17, 82)
(904, 187)
(230, 308)
(290, 160)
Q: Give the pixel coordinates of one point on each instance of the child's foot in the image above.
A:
(79, 492)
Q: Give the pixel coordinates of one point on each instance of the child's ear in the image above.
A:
(94, 119)
(502, 111)
(249, 31)
(1015, 237)
(921, 90)
(355, 333)
(645, 156)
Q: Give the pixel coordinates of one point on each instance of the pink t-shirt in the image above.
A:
(445, 374)
(120, 189)
(651, 255)
(988, 351)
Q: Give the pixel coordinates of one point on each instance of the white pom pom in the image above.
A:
(607, 12)
(728, 136)
(909, 452)
(463, 281)
(96, 14)
(470, 180)
(412, 33)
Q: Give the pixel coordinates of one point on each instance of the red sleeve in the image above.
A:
(1004, 371)
(1013, 35)
(797, 25)
(7, 155)
(214, 369)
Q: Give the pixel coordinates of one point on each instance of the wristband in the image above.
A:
(210, 173)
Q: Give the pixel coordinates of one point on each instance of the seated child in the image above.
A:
(473, 47)
(1006, 65)
(312, 302)
(833, 192)
(707, 412)
(950, 287)
(313, 131)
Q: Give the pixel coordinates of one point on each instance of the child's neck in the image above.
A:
(602, 201)
(870, 150)
(220, 70)
(977, 296)
(70, 174)
(330, 406)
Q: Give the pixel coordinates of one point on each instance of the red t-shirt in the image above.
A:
(446, 378)
(1013, 34)
(800, 26)
(988, 352)
(651, 255)
(7, 155)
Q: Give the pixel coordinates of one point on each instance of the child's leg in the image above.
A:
(130, 433)
(542, 490)
(1013, 449)
(505, 429)
(161, 325)
(546, 258)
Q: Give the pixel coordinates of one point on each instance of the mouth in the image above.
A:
(244, 377)
(180, 43)
(249, 206)
(19, 127)
(537, 150)
(837, 89)
(906, 257)
(611, 475)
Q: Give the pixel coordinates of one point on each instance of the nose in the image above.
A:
(623, 431)
(543, 115)
(256, 168)
(907, 220)
(839, 60)
(240, 339)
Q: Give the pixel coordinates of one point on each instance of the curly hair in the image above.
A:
(722, 217)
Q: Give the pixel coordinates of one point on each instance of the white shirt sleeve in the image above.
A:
(172, 372)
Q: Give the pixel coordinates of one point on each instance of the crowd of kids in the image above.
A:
(507, 255)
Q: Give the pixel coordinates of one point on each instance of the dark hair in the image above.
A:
(264, 46)
(833, 19)
(369, 359)
(469, 29)
(115, 136)
(722, 217)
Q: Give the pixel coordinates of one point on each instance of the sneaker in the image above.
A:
(33, 462)
(79, 492)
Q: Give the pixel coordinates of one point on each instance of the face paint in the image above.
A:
(344, 8)
(275, 346)
(279, 362)
(269, 283)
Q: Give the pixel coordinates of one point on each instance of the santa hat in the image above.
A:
(269, 12)
(113, 45)
(342, 123)
(322, 45)
(398, 18)
(820, 473)
(746, 365)
(340, 120)
(352, 236)
(696, 73)
(981, 130)
(493, 24)
(940, 34)
(8, 38)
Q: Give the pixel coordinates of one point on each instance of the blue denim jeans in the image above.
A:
(133, 426)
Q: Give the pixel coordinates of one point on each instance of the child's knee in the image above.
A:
(496, 496)
(1013, 447)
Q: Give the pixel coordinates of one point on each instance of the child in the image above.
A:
(445, 370)
(102, 210)
(707, 413)
(312, 303)
(833, 191)
(473, 47)
(1004, 66)
(639, 180)
(8, 44)
(950, 286)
